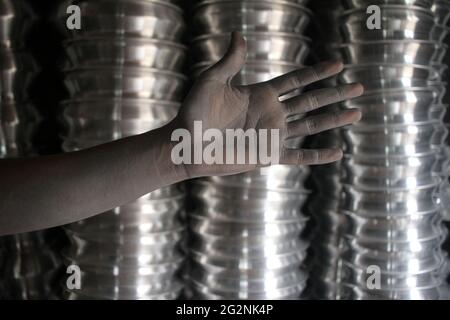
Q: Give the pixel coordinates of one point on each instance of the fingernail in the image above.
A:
(339, 154)
(356, 114)
(356, 88)
(333, 66)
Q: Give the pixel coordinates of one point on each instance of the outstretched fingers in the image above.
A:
(322, 122)
(303, 77)
(322, 97)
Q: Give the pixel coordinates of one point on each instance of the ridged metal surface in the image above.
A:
(30, 266)
(18, 116)
(123, 76)
(442, 9)
(245, 230)
(323, 207)
(391, 168)
(29, 263)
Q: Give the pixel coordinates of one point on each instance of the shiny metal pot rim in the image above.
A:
(394, 90)
(435, 184)
(386, 65)
(376, 127)
(122, 101)
(432, 269)
(268, 34)
(349, 4)
(243, 273)
(206, 64)
(362, 288)
(228, 285)
(282, 261)
(237, 294)
(392, 282)
(124, 41)
(155, 2)
(140, 71)
(387, 7)
(392, 156)
(393, 262)
(431, 240)
(290, 4)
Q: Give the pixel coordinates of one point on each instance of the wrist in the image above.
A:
(169, 170)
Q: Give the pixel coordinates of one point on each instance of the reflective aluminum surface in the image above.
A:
(390, 201)
(260, 46)
(245, 229)
(393, 140)
(391, 107)
(378, 173)
(382, 203)
(399, 23)
(350, 292)
(117, 19)
(392, 51)
(124, 77)
(253, 71)
(387, 76)
(215, 16)
(129, 83)
(351, 4)
(101, 52)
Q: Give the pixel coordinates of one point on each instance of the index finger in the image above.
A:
(303, 77)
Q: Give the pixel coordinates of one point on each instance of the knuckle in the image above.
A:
(313, 102)
(314, 74)
(297, 80)
(289, 108)
(311, 126)
(300, 156)
(319, 156)
(340, 93)
(335, 118)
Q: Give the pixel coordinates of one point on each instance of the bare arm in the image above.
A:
(55, 190)
(42, 192)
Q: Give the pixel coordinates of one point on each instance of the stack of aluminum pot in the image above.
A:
(441, 8)
(28, 263)
(391, 168)
(442, 11)
(323, 208)
(18, 68)
(245, 230)
(124, 78)
(30, 266)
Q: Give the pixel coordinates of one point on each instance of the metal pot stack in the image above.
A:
(245, 230)
(28, 262)
(18, 70)
(324, 204)
(328, 224)
(30, 266)
(124, 78)
(442, 12)
(391, 174)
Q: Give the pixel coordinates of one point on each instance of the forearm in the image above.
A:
(48, 191)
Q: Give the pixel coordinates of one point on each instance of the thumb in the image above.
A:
(233, 60)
